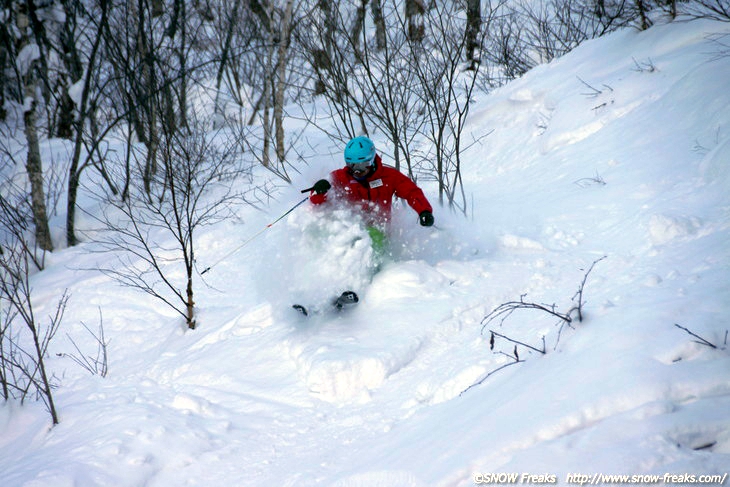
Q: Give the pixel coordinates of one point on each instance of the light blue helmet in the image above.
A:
(360, 151)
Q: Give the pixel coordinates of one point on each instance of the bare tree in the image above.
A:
(135, 49)
(97, 364)
(152, 58)
(554, 28)
(157, 232)
(392, 103)
(446, 92)
(506, 49)
(406, 88)
(23, 56)
(86, 135)
(271, 64)
(24, 340)
(502, 312)
(368, 88)
(226, 55)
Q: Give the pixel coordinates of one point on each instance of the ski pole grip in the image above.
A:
(308, 190)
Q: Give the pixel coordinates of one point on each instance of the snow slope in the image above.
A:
(619, 149)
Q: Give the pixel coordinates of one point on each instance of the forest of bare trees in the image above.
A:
(97, 99)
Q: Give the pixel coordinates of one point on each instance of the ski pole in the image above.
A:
(254, 236)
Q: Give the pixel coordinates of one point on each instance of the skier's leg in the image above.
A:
(380, 245)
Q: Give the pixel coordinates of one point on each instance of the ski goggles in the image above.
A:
(360, 167)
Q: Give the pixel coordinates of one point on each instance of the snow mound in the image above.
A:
(406, 281)
(349, 370)
(666, 228)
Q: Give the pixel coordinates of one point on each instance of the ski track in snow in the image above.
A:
(377, 396)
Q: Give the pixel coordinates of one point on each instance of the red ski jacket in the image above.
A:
(374, 195)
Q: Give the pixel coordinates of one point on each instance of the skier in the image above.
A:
(369, 186)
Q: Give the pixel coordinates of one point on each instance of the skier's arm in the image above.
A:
(407, 189)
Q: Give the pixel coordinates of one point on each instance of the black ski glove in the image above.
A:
(321, 186)
(426, 218)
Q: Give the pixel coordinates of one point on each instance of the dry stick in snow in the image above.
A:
(699, 340)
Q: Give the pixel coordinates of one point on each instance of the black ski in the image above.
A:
(346, 300)
(301, 309)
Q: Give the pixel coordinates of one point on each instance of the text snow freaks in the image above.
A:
(514, 478)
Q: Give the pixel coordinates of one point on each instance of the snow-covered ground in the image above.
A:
(619, 149)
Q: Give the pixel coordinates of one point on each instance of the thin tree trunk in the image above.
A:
(642, 14)
(39, 32)
(151, 97)
(357, 26)
(266, 96)
(182, 56)
(322, 55)
(44, 375)
(673, 8)
(280, 78)
(224, 57)
(74, 173)
(34, 167)
(64, 124)
(190, 304)
(473, 25)
(3, 61)
(74, 70)
(415, 11)
(73, 186)
(379, 22)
